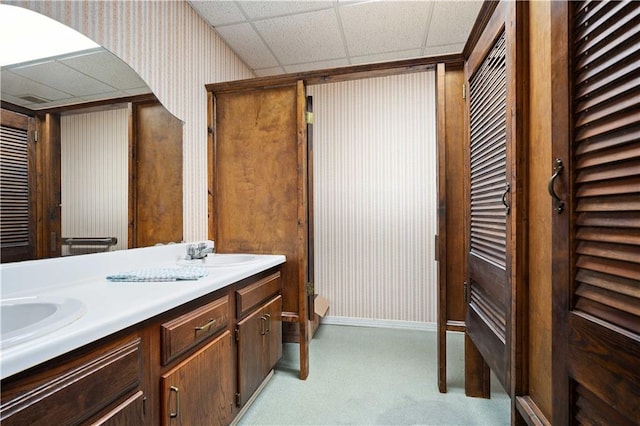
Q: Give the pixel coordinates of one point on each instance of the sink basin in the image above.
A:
(25, 318)
(222, 260)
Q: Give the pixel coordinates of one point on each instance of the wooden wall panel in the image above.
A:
(255, 184)
(158, 176)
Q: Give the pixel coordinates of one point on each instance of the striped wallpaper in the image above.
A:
(94, 173)
(374, 153)
(176, 53)
(375, 197)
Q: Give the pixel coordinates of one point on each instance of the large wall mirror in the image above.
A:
(106, 170)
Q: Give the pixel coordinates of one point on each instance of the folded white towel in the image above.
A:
(160, 274)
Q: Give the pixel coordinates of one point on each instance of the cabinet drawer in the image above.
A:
(252, 295)
(73, 395)
(186, 331)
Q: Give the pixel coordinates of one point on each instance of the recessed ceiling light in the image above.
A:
(26, 36)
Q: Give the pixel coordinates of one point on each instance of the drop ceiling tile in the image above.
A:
(307, 37)
(102, 96)
(452, 22)
(218, 12)
(264, 72)
(268, 9)
(243, 40)
(443, 50)
(17, 85)
(66, 79)
(384, 57)
(312, 66)
(107, 68)
(376, 27)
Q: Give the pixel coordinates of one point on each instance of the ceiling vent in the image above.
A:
(34, 99)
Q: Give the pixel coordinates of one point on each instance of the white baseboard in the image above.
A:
(368, 322)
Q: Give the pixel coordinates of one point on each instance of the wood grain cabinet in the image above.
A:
(259, 338)
(100, 386)
(258, 332)
(199, 390)
(193, 365)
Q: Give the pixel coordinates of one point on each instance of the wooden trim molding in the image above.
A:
(530, 412)
(332, 75)
(441, 247)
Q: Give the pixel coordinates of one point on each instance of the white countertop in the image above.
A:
(110, 306)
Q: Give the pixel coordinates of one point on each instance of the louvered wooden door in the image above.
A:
(17, 192)
(603, 322)
(492, 210)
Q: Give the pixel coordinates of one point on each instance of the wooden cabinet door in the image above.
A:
(274, 334)
(199, 390)
(259, 347)
(596, 247)
(493, 187)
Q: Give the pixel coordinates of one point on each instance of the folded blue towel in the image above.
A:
(160, 274)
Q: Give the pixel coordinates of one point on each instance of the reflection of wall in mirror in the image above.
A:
(94, 148)
(176, 68)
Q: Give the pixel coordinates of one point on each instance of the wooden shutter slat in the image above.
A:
(490, 192)
(609, 298)
(621, 170)
(609, 204)
(616, 105)
(488, 307)
(622, 252)
(608, 141)
(608, 125)
(621, 219)
(612, 315)
(493, 132)
(477, 175)
(619, 153)
(616, 90)
(609, 266)
(620, 186)
(491, 161)
(593, 32)
(487, 111)
(587, 10)
(620, 285)
(621, 236)
(14, 196)
(492, 109)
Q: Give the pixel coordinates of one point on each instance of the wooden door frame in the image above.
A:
(512, 16)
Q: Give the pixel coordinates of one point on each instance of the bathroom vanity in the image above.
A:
(179, 353)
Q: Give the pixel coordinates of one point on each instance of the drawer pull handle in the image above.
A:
(177, 412)
(268, 322)
(263, 328)
(207, 326)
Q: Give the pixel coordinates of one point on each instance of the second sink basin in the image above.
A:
(221, 260)
(26, 318)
